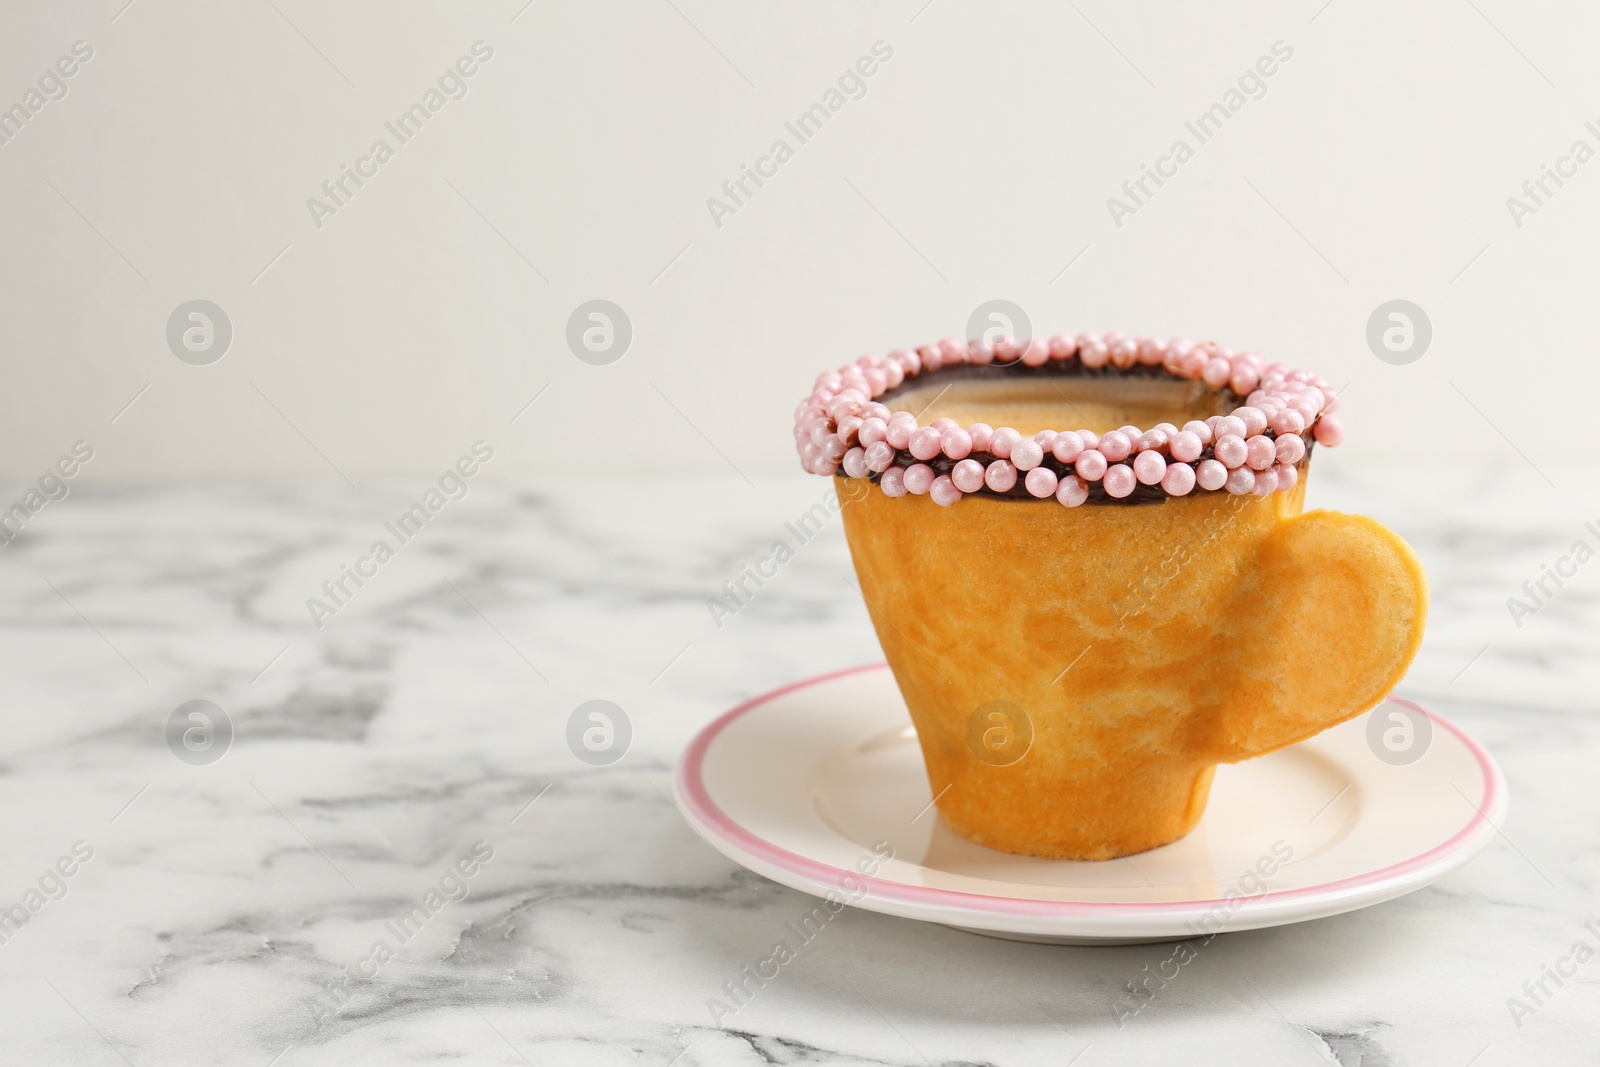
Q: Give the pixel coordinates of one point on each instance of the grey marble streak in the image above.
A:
(429, 712)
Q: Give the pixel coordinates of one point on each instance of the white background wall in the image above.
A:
(433, 306)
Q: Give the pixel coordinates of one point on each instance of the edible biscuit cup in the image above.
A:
(1085, 622)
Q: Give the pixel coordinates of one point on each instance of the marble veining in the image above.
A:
(225, 902)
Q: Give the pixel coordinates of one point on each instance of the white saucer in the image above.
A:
(798, 785)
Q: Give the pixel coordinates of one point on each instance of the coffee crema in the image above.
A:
(1247, 426)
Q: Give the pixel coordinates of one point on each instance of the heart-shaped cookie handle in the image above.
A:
(1328, 617)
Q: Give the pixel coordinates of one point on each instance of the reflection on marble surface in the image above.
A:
(229, 912)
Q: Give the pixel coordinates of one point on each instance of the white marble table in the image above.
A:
(222, 902)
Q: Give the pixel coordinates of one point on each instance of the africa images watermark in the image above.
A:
(1150, 584)
(451, 887)
(1253, 884)
(737, 593)
(52, 886)
(337, 192)
(52, 87)
(52, 486)
(1537, 990)
(407, 525)
(852, 85)
(1538, 590)
(1537, 190)
(1251, 85)
(752, 978)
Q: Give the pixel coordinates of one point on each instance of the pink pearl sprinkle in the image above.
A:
(980, 352)
(842, 406)
(944, 424)
(1154, 439)
(849, 426)
(1241, 481)
(872, 431)
(1091, 465)
(880, 457)
(1288, 421)
(1254, 420)
(1089, 438)
(1005, 350)
(952, 350)
(855, 463)
(981, 434)
(1201, 430)
(1287, 476)
(1037, 353)
(1115, 446)
(1178, 479)
(1072, 491)
(944, 491)
(893, 482)
(1291, 449)
(967, 475)
(1231, 451)
(919, 478)
(1151, 352)
(1217, 372)
(1041, 482)
(1244, 378)
(1119, 480)
(1066, 447)
(1124, 352)
(1092, 351)
(1002, 440)
(1328, 431)
(1186, 445)
(898, 434)
(1026, 454)
(1149, 467)
(1266, 482)
(925, 442)
(1046, 438)
(1000, 476)
(1260, 453)
(1231, 424)
(893, 375)
(1062, 347)
(957, 443)
(1210, 475)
